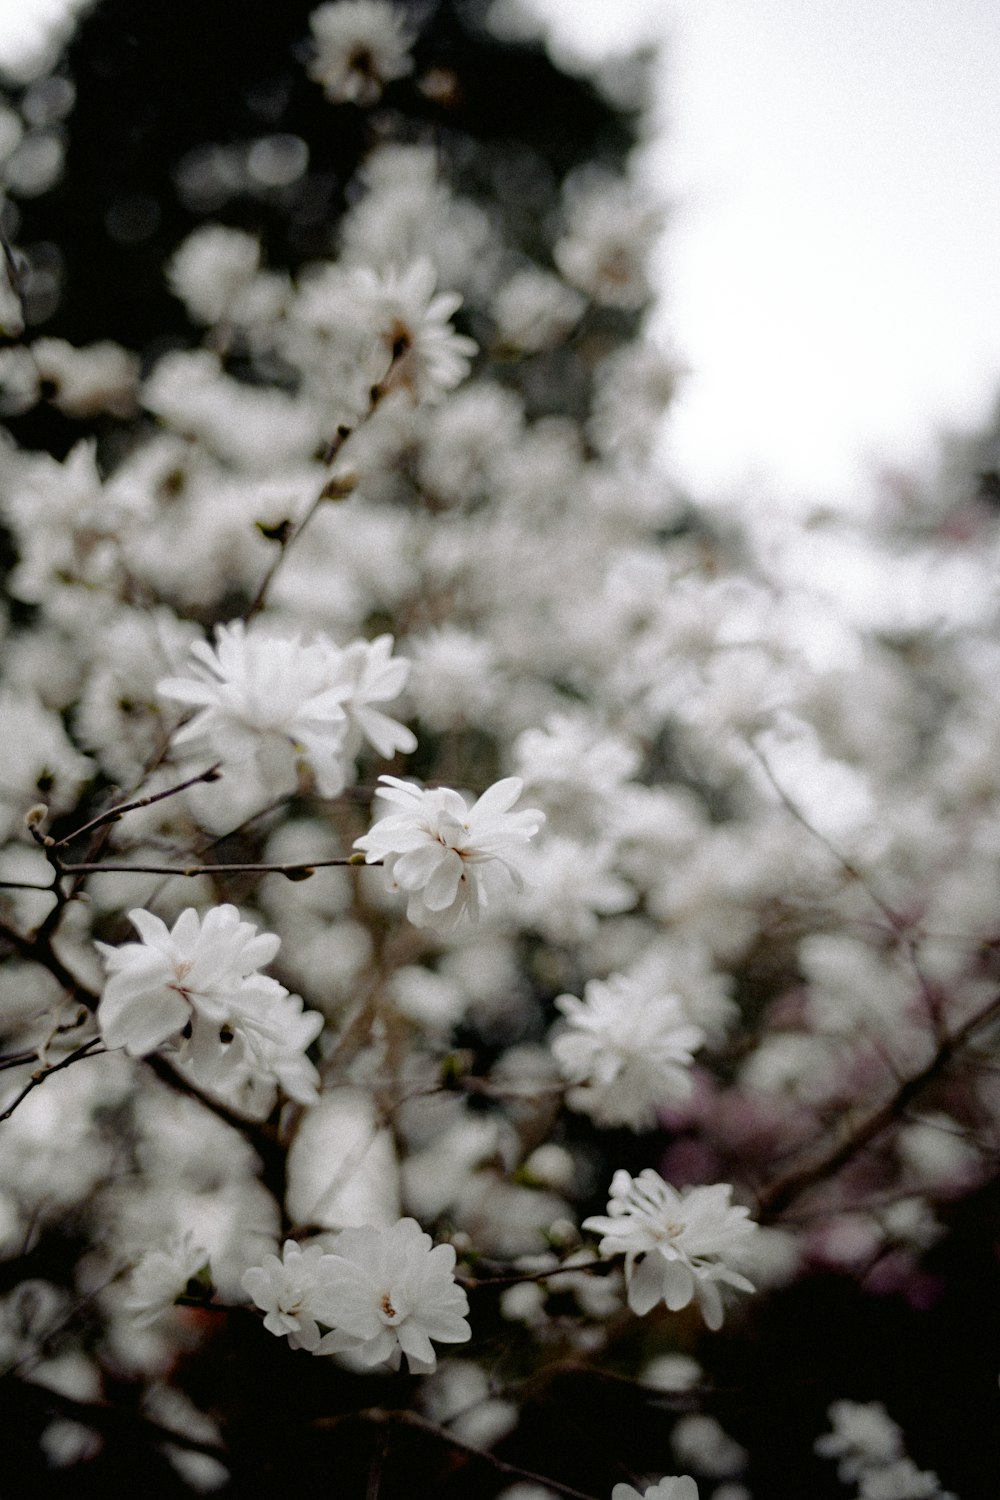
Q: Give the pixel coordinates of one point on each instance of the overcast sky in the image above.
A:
(832, 266)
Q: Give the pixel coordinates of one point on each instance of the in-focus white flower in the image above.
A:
(628, 1052)
(448, 856)
(161, 1276)
(673, 1487)
(677, 1244)
(389, 1293)
(196, 987)
(360, 46)
(289, 1291)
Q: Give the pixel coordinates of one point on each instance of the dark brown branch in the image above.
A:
(300, 870)
(377, 1416)
(826, 1160)
(87, 1050)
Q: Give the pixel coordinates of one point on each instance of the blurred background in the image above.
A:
(828, 273)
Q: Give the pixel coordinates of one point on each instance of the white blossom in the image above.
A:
(161, 1276)
(449, 857)
(626, 1051)
(673, 1487)
(390, 1292)
(415, 348)
(678, 1245)
(360, 46)
(290, 1292)
(267, 702)
(196, 987)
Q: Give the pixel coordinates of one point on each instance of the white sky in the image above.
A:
(832, 265)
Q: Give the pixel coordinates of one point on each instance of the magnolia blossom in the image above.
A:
(161, 1276)
(289, 1291)
(628, 1052)
(360, 45)
(673, 1487)
(449, 857)
(196, 987)
(677, 1245)
(416, 348)
(265, 702)
(389, 1292)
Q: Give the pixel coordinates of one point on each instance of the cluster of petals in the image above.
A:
(196, 987)
(383, 1294)
(626, 1052)
(449, 857)
(679, 1245)
(267, 702)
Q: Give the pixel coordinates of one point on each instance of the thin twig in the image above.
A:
(112, 814)
(299, 870)
(827, 1160)
(381, 1417)
(87, 1050)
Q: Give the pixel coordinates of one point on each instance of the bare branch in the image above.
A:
(381, 1417)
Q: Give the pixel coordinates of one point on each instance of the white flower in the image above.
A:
(676, 1244)
(388, 1293)
(212, 269)
(365, 673)
(449, 857)
(161, 1276)
(360, 45)
(266, 701)
(289, 1291)
(673, 1487)
(611, 229)
(863, 1436)
(627, 1050)
(196, 987)
(416, 349)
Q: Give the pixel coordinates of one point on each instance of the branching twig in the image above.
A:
(378, 1416)
(827, 1159)
(112, 814)
(89, 1049)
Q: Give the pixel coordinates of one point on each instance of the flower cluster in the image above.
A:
(264, 703)
(679, 1246)
(196, 988)
(382, 1294)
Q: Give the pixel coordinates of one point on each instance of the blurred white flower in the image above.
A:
(449, 857)
(863, 1436)
(212, 269)
(627, 1051)
(676, 1244)
(389, 1292)
(360, 46)
(161, 1276)
(416, 349)
(673, 1487)
(365, 673)
(267, 701)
